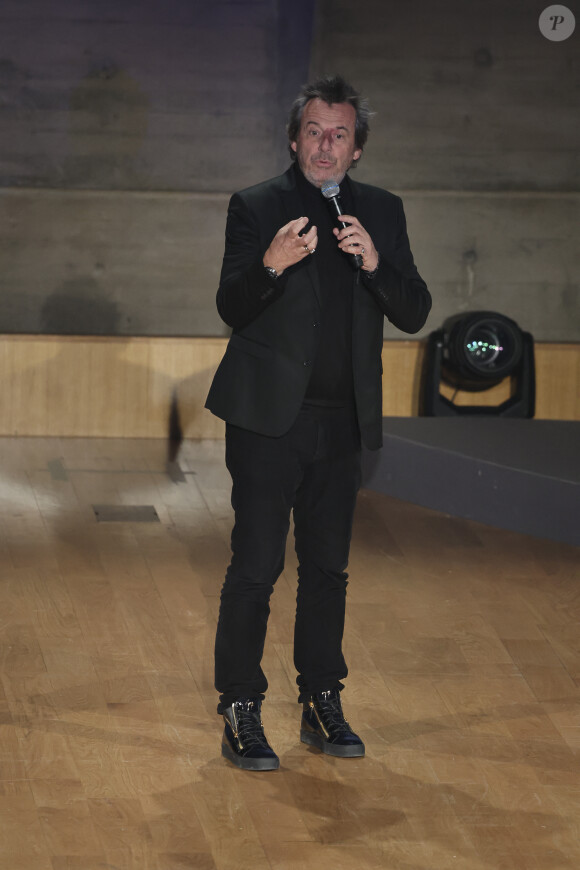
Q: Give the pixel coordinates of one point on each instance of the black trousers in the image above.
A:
(314, 471)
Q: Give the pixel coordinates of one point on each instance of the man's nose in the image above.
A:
(325, 142)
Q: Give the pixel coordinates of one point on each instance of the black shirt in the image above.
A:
(331, 381)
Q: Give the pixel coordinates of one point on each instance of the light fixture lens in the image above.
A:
(483, 345)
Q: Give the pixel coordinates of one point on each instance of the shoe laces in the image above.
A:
(250, 728)
(330, 710)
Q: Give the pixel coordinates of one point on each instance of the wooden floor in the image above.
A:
(464, 650)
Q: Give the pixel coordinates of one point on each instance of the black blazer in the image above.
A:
(262, 379)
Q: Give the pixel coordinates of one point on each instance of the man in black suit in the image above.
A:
(299, 387)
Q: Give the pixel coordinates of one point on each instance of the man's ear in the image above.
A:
(293, 146)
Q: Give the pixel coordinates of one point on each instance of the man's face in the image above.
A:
(325, 144)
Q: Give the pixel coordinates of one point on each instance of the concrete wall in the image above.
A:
(477, 127)
(126, 124)
(124, 127)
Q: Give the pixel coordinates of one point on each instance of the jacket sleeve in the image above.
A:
(397, 287)
(245, 288)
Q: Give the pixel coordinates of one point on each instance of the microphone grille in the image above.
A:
(330, 189)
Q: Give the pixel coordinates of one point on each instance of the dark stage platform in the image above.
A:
(522, 475)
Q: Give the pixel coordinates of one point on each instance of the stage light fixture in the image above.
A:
(474, 352)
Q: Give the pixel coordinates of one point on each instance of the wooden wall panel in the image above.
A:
(124, 387)
(558, 381)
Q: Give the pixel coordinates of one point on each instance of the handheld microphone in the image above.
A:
(331, 192)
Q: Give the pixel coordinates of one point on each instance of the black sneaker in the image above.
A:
(244, 742)
(324, 726)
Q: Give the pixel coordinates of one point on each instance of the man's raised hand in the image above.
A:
(289, 247)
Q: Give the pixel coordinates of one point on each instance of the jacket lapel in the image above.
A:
(293, 207)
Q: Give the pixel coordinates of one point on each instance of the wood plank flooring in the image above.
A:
(464, 651)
